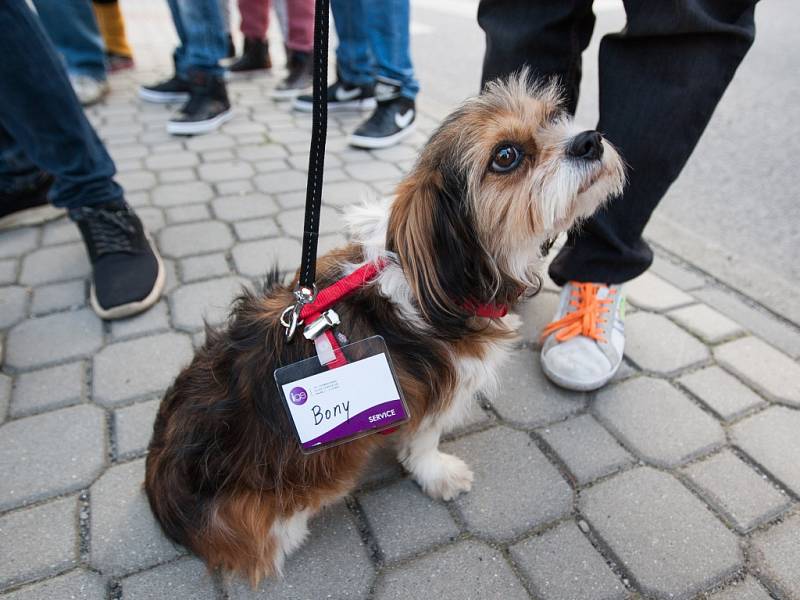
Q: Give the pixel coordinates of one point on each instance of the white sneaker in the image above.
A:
(583, 345)
(88, 89)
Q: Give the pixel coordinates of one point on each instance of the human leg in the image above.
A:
(254, 26)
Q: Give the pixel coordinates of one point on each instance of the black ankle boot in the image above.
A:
(208, 106)
(255, 57)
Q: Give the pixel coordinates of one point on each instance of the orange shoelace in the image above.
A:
(587, 316)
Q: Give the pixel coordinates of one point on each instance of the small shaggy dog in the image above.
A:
(504, 173)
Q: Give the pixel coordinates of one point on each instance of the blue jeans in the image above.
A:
(42, 125)
(201, 29)
(374, 41)
(72, 27)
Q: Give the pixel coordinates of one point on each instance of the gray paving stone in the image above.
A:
(209, 300)
(255, 259)
(375, 171)
(536, 313)
(175, 194)
(676, 274)
(51, 454)
(326, 243)
(225, 171)
(177, 175)
(58, 296)
(170, 160)
(534, 493)
(283, 181)
(526, 397)
(37, 542)
(58, 337)
(13, 305)
(346, 193)
(55, 263)
(125, 535)
(8, 271)
(749, 589)
(745, 498)
(60, 231)
(210, 142)
(5, 392)
(153, 320)
(238, 186)
(333, 562)
(657, 422)
(134, 427)
(256, 229)
(218, 156)
(706, 323)
(587, 449)
(291, 221)
(188, 213)
(770, 372)
(399, 536)
(136, 180)
(184, 579)
(776, 553)
(665, 537)
(721, 392)
(650, 292)
(194, 238)
(205, 266)
(152, 218)
(260, 153)
(135, 368)
(468, 569)
(17, 242)
(240, 207)
(271, 166)
(561, 564)
(383, 466)
(56, 387)
(654, 343)
(753, 319)
(768, 438)
(75, 585)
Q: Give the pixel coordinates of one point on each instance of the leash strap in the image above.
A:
(316, 157)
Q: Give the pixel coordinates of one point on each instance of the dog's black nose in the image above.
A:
(587, 145)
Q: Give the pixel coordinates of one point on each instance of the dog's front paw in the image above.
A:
(445, 477)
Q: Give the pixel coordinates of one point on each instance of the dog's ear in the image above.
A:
(432, 232)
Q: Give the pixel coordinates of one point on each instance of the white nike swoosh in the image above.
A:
(403, 121)
(343, 95)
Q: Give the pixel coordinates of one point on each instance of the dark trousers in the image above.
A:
(660, 79)
(42, 125)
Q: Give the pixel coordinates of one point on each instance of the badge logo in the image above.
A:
(298, 395)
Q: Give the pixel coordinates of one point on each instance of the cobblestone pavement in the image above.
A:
(679, 480)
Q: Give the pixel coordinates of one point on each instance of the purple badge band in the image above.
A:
(381, 415)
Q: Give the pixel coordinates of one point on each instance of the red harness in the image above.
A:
(329, 296)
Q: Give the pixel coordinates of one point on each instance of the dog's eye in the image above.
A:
(506, 158)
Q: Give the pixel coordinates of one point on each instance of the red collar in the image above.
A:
(366, 273)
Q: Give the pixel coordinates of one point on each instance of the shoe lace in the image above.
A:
(110, 230)
(588, 316)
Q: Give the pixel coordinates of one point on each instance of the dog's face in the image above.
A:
(502, 174)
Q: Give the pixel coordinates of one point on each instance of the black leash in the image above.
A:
(306, 287)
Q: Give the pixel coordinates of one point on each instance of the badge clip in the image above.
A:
(325, 321)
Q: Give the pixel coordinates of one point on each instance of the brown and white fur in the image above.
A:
(225, 474)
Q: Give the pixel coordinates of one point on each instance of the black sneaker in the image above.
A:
(341, 96)
(392, 121)
(255, 57)
(127, 272)
(208, 107)
(300, 77)
(174, 89)
(28, 206)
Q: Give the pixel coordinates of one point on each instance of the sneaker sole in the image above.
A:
(133, 308)
(162, 97)
(370, 143)
(578, 386)
(354, 105)
(198, 127)
(31, 216)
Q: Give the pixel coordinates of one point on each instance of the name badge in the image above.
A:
(330, 407)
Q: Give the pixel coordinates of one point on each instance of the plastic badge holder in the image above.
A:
(328, 407)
